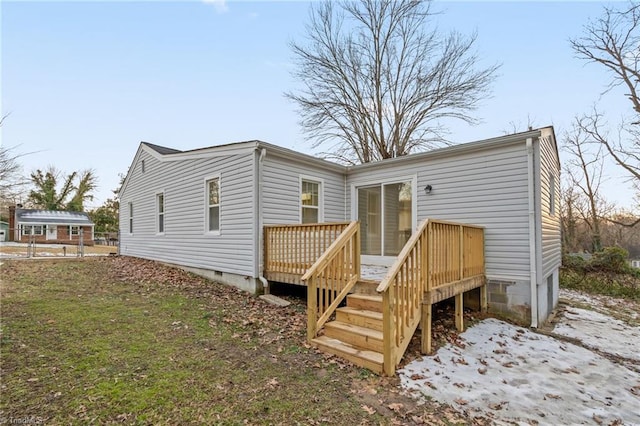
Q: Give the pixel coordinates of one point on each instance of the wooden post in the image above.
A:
(387, 334)
(312, 309)
(483, 298)
(461, 253)
(356, 254)
(425, 325)
(459, 312)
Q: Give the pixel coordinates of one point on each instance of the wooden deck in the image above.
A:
(441, 260)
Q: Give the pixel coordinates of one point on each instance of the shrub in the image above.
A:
(574, 262)
(610, 259)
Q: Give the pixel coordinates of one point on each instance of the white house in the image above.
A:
(205, 209)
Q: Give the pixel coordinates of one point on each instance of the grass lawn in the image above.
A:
(122, 340)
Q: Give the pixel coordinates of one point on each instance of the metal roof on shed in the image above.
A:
(52, 216)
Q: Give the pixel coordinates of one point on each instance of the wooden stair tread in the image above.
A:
(361, 357)
(355, 329)
(371, 297)
(362, 312)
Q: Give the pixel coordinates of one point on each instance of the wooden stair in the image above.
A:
(356, 332)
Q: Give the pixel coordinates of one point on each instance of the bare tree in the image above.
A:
(613, 41)
(585, 173)
(12, 181)
(377, 80)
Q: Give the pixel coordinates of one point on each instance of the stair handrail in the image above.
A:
(401, 302)
(336, 270)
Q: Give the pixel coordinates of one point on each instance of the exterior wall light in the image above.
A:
(427, 189)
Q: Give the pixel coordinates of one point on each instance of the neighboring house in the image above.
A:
(205, 209)
(50, 226)
(635, 263)
(4, 231)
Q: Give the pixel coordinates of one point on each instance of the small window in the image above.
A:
(213, 205)
(160, 204)
(142, 165)
(32, 230)
(131, 218)
(74, 230)
(310, 202)
(552, 194)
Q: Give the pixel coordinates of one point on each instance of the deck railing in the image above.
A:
(293, 249)
(437, 254)
(332, 277)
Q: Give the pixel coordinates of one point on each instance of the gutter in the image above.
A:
(533, 275)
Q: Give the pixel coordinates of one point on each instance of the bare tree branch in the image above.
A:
(613, 41)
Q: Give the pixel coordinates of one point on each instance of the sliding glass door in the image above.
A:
(385, 213)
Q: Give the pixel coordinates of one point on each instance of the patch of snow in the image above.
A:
(602, 303)
(511, 374)
(602, 332)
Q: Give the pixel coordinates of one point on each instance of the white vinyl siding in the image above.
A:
(186, 241)
(487, 188)
(281, 190)
(549, 241)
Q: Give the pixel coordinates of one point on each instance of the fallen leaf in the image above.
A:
(461, 401)
(369, 410)
(482, 370)
(552, 396)
(396, 406)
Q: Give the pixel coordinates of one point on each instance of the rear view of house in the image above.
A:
(208, 210)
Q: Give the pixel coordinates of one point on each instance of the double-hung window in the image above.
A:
(32, 230)
(310, 203)
(213, 205)
(160, 207)
(74, 230)
(131, 218)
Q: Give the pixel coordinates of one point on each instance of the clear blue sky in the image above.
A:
(85, 82)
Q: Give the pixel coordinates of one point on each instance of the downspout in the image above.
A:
(261, 278)
(532, 234)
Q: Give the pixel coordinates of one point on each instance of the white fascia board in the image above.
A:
(289, 154)
(211, 152)
(450, 151)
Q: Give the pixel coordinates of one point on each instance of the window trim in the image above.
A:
(552, 193)
(130, 211)
(207, 206)
(31, 228)
(320, 182)
(161, 213)
(71, 234)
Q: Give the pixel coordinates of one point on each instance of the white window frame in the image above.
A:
(32, 228)
(130, 211)
(160, 214)
(413, 178)
(552, 194)
(71, 228)
(207, 206)
(320, 182)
